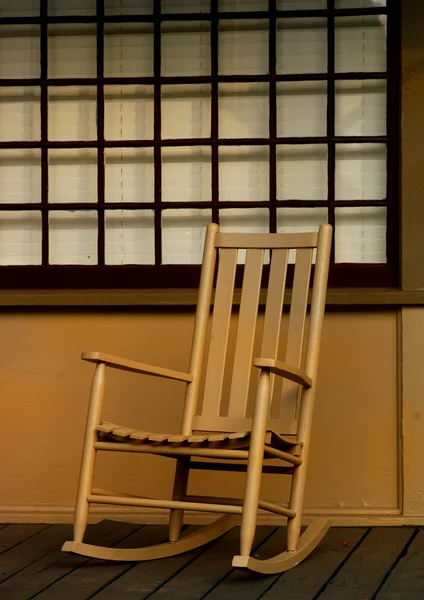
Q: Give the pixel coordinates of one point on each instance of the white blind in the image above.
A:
(243, 112)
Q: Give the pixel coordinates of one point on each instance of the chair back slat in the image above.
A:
(234, 365)
(221, 317)
(242, 367)
(274, 306)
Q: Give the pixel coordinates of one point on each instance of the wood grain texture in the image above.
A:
(13, 535)
(406, 579)
(351, 563)
(369, 564)
(41, 574)
(311, 576)
(205, 572)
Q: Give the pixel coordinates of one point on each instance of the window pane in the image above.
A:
(361, 107)
(186, 111)
(243, 173)
(129, 7)
(129, 237)
(128, 50)
(360, 235)
(23, 8)
(20, 176)
(297, 220)
(72, 7)
(239, 5)
(73, 237)
(360, 43)
(183, 233)
(301, 109)
(128, 112)
(301, 45)
(359, 3)
(243, 47)
(185, 6)
(243, 110)
(254, 220)
(72, 51)
(293, 220)
(302, 172)
(185, 48)
(19, 114)
(20, 238)
(361, 171)
(72, 113)
(129, 175)
(19, 51)
(301, 4)
(73, 175)
(186, 174)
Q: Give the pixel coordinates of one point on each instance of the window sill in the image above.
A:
(187, 298)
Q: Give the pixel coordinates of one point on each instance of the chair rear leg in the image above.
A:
(176, 517)
(89, 453)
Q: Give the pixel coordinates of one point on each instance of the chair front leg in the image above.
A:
(89, 453)
(297, 492)
(254, 464)
(176, 516)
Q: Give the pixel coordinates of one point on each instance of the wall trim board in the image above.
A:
(380, 516)
(363, 297)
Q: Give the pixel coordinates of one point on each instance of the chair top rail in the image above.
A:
(266, 240)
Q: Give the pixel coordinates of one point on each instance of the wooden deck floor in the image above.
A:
(350, 564)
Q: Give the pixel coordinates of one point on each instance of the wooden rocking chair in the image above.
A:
(272, 433)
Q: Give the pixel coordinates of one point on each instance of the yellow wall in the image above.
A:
(44, 388)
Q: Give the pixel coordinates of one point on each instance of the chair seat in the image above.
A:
(237, 439)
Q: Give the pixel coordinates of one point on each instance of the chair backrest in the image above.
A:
(229, 365)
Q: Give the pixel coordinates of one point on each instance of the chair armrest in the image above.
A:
(283, 370)
(134, 366)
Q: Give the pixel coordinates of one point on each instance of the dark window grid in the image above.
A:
(214, 110)
(183, 142)
(272, 92)
(393, 128)
(223, 204)
(100, 133)
(330, 139)
(44, 105)
(196, 79)
(331, 120)
(164, 17)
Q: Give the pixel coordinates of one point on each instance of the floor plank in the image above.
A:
(406, 580)
(306, 580)
(92, 576)
(382, 563)
(56, 565)
(145, 577)
(205, 572)
(15, 534)
(34, 548)
(367, 567)
(242, 585)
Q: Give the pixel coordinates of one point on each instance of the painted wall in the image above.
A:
(43, 399)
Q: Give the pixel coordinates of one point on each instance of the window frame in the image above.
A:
(161, 276)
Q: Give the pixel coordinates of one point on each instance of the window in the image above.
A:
(127, 125)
